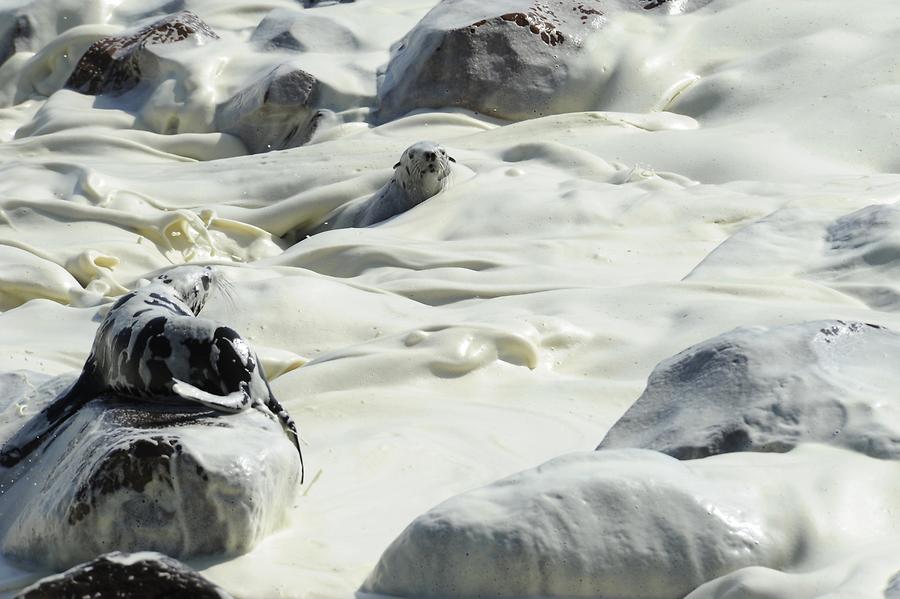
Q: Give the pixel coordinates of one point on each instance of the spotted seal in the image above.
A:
(422, 172)
(153, 345)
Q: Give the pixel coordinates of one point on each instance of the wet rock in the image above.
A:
(122, 475)
(116, 64)
(511, 59)
(147, 575)
(629, 524)
(275, 113)
(770, 389)
(304, 32)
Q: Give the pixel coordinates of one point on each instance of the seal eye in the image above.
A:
(451, 158)
(411, 155)
(396, 165)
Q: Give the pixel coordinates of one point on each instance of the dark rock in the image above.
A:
(769, 389)
(301, 31)
(126, 475)
(145, 575)
(314, 3)
(116, 64)
(275, 113)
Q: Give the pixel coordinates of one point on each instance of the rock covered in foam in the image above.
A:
(854, 252)
(511, 59)
(274, 113)
(147, 574)
(674, 7)
(315, 3)
(28, 25)
(625, 524)
(637, 524)
(16, 33)
(137, 476)
(862, 253)
(768, 389)
(872, 572)
(116, 64)
(298, 30)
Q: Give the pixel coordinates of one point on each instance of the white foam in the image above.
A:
(508, 320)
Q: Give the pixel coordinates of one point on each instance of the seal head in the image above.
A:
(423, 171)
(191, 284)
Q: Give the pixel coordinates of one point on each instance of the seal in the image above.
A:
(153, 345)
(422, 172)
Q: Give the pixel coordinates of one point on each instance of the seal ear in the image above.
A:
(452, 159)
(396, 165)
(230, 404)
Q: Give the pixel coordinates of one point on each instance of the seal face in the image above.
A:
(423, 171)
(152, 345)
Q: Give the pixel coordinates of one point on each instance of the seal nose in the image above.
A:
(430, 156)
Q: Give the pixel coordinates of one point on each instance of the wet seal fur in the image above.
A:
(422, 172)
(152, 345)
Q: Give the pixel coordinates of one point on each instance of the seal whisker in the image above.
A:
(225, 288)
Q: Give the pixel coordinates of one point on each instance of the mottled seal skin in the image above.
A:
(422, 172)
(152, 345)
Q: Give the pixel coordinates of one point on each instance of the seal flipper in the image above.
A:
(38, 429)
(288, 424)
(231, 403)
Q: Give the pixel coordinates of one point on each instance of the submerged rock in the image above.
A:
(130, 13)
(16, 33)
(298, 30)
(855, 253)
(275, 113)
(116, 64)
(674, 7)
(511, 59)
(135, 476)
(314, 3)
(147, 575)
(769, 389)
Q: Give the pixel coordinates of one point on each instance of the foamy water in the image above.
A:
(510, 319)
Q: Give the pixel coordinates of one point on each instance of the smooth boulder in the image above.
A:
(509, 59)
(769, 389)
(128, 476)
(145, 575)
(628, 524)
(276, 112)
